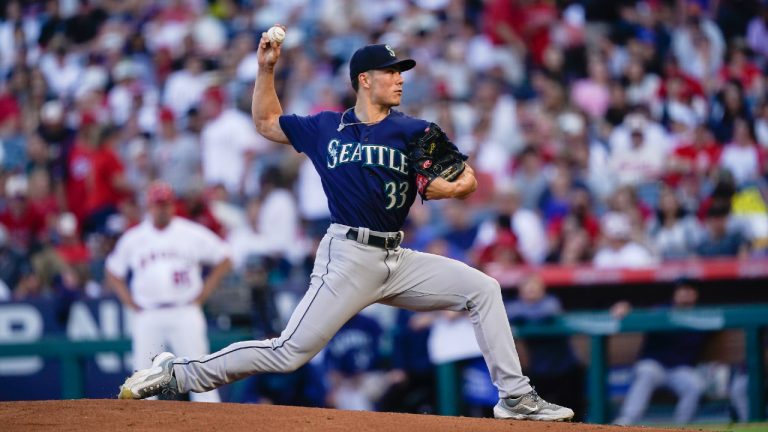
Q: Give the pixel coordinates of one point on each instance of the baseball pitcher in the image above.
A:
(372, 161)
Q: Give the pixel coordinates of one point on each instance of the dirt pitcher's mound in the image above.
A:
(166, 416)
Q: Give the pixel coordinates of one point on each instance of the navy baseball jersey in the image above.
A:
(364, 168)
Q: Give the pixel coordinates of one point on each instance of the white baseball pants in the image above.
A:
(181, 330)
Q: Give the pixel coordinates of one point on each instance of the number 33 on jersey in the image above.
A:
(364, 169)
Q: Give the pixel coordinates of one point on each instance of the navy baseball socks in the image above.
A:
(152, 381)
(531, 407)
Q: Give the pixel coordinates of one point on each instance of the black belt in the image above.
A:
(385, 242)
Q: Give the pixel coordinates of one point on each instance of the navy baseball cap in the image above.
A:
(379, 56)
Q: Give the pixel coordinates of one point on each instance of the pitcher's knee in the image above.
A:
(488, 287)
(292, 358)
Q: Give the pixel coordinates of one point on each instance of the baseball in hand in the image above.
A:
(276, 34)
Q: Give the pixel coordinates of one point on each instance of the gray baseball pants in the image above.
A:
(349, 276)
(650, 375)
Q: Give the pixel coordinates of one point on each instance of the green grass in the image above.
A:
(736, 427)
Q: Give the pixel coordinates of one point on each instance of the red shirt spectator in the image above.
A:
(78, 174)
(21, 221)
(739, 68)
(73, 253)
(106, 168)
(527, 25)
(79, 165)
(698, 157)
(502, 251)
(9, 108)
(590, 224)
(95, 173)
(573, 236)
(196, 209)
(41, 199)
(690, 87)
(503, 20)
(701, 158)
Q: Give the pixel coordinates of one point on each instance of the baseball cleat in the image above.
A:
(152, 381)
(531, 407)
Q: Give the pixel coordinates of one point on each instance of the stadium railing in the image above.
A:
(599, 326)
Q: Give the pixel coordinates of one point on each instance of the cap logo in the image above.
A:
(391, 51)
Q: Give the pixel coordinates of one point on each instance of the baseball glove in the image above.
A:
(433, 155)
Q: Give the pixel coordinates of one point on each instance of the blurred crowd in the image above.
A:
(621, 134)
(607, 133)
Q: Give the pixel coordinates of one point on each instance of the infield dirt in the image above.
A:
(168, 416)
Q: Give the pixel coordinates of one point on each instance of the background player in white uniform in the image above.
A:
(165, 254)
(362, 158)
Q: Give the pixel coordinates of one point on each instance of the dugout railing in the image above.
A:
(599, 326)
